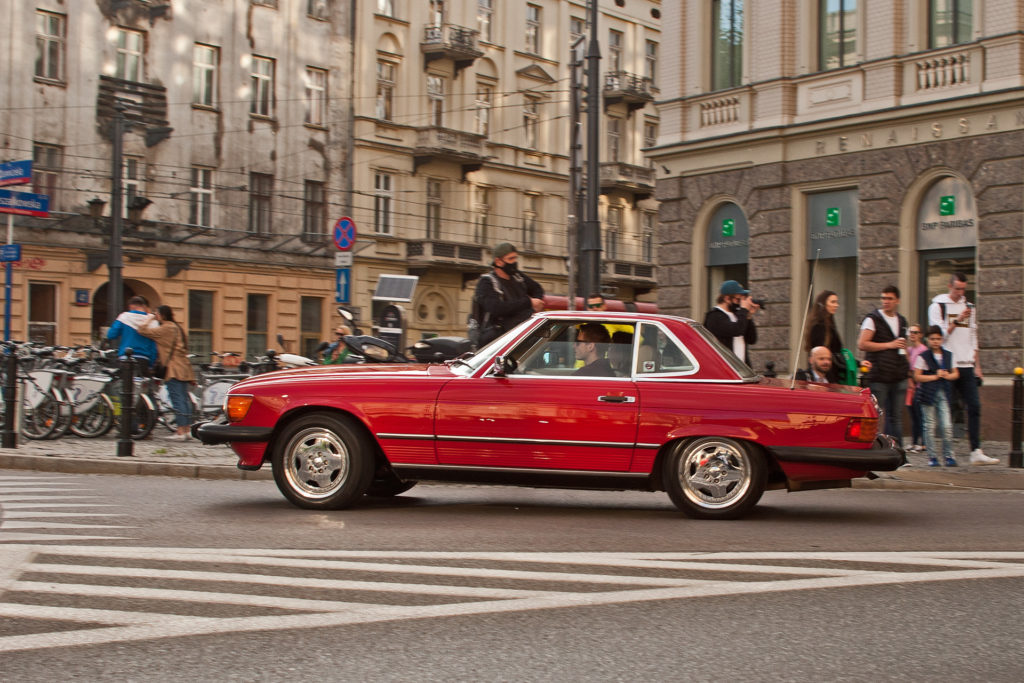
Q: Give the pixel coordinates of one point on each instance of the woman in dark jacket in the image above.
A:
(822, 331)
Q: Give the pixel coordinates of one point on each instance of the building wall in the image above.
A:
(896, 118)
(165, 255)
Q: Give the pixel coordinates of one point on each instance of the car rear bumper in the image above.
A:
(883, 456)
(211, 433)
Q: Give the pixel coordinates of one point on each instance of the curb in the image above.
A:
(129, 466)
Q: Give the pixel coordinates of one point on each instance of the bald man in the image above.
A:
(819, 366)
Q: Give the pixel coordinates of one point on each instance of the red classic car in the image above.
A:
(659, 405)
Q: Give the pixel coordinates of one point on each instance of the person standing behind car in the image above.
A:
(732, 319)
(883, 336)
(172, 346)
(505, 296)
(955, 316)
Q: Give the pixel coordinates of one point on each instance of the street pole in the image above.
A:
(575, 171)
(1016, 456)
(115, 288)
(7, 281)
(590, 236)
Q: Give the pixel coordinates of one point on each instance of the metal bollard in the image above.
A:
(125, 445)
(1016, 459)
(769, 369)
(10, 437)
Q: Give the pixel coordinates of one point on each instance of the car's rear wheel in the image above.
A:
(715, 478)
(322, 462)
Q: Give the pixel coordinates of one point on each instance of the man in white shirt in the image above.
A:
(955, 316)
(883, 337)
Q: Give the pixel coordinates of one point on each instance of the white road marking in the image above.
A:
(43, 504)
(632, 583)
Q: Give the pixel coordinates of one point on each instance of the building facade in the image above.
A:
(252, 126)
(235, 159)
(872, 142)
(461, 125)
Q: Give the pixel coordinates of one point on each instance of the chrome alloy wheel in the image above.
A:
(715, 473)
(316, 462)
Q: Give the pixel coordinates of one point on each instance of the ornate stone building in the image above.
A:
(883, 140)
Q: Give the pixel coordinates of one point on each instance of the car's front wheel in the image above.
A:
(321, 461)
(715, 478)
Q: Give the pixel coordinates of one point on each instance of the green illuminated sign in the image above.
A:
(832, 217)
(947, 205)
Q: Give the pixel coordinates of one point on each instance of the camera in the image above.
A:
(763, 303)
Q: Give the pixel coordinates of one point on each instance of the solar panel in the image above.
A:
(395, 287)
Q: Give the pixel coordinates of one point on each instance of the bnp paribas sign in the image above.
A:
(947, 217)
(832, 224)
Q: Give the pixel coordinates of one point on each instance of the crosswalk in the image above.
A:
(95, 594)
(38, 508)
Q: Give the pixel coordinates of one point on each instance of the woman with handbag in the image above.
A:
(173, 367)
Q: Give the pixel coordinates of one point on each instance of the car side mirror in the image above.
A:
(503, 365)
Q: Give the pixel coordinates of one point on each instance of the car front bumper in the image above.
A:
(211, 433)
(884, 455)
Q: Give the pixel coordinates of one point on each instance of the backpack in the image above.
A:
(479, 328)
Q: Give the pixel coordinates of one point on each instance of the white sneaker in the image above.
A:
(979, 458)
(177, 437)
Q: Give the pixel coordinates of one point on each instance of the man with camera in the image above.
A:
(732, 319)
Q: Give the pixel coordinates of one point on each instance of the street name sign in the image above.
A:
(24, 203)
(10, 253)
(15, 173)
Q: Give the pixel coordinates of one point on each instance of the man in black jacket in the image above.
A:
(505, 297)
(732, 319)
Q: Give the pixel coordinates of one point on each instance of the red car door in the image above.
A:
(540, 422)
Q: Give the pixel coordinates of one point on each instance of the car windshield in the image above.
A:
(469, 365)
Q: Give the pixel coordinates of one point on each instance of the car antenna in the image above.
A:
(810, 293)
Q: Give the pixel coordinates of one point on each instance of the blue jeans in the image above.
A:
(938, 412)
(916, 422)
(177, 391)
(967, 387)
(891, 397)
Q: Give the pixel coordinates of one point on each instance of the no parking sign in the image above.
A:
(344, 233)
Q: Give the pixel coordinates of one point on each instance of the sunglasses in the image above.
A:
(597, 305)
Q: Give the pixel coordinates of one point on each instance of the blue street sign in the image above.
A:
(344, 233)
(10, 253)
(15, 173)
(25, 203)
(343, 282)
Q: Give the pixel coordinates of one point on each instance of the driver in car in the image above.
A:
(592, 341)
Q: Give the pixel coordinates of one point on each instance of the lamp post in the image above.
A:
(115, 262)
(590, 235)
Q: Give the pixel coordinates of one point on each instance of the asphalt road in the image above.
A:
(151, 578)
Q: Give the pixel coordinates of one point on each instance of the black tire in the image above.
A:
(41, 421)
(322, 461)
(715, 478)
(143, 418)
(96, 421)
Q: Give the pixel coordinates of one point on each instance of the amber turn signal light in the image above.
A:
(237, 407)
(863, 429)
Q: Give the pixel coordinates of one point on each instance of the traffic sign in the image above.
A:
(10, 253)
(15, 173)
(344, 233)
(343, 259)
(343, 282)
(24, 203)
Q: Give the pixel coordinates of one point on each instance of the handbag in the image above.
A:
(159, 369)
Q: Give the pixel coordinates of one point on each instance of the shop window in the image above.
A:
(256, 316)
(200, 323)
(42, 313)
(311, 325)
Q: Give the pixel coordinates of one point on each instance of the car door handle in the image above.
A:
(617, 399)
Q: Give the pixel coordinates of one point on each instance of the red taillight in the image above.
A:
(863, 429)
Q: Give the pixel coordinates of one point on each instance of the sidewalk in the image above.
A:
(159, 457)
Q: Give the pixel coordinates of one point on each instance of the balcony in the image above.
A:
(639, 276)
(434, 143)
(622, 87)
(637, 180)
(448, 41)
(450, 255)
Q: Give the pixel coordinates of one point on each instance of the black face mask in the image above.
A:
(510, 268)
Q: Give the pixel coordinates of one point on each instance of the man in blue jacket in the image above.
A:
(126, 330)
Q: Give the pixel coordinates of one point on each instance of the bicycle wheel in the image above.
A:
(143, 418)
(65, 415)
(40, 421)
(96, 421)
